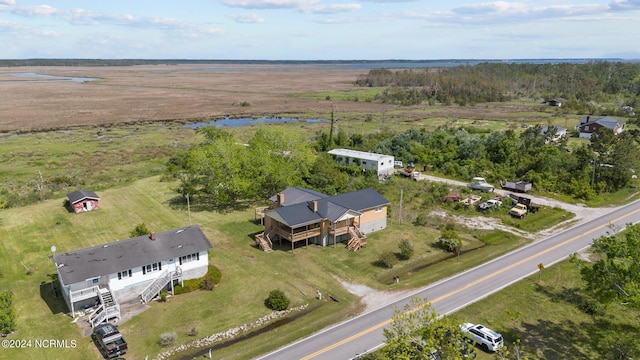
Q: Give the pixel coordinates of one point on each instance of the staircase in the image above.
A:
(154, 288)
(107, 310)
(264, 240)
(357, 240)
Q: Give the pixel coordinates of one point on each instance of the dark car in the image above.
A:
(109, 341)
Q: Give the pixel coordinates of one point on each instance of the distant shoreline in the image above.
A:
(346, 64)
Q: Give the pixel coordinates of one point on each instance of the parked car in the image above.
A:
(490, 204)
(488, 339)
(109, 341)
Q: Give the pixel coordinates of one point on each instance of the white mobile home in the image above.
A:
(381, 164)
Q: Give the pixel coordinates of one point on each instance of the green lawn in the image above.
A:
(248, 274)
(548, 320)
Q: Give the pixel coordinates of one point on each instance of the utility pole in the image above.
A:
(400, 215)
(188, 208)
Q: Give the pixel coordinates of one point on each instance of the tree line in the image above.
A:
(582, 86)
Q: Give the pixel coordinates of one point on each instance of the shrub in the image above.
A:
(277, 300)
(192, 332)
(388, 259)
(421, 220)
(7, 313)
(206, 283)
(163, 295)
(168, 339)
(406, 249)
(139, 230)
(591, 307)
(449, 241)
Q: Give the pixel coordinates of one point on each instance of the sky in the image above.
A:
(319, 29)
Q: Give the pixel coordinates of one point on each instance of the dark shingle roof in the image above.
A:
(79, 195)
(79, 265)
(295, 195)
(331, 208)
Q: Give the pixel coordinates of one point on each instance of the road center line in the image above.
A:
(476, 282)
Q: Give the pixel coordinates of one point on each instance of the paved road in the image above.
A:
(365, 332)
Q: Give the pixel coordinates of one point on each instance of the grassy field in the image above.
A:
(548, 320)
(248, 274)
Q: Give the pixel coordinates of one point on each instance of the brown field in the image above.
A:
(152, 93)
(159, 93)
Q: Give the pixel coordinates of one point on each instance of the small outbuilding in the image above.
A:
(83, 200)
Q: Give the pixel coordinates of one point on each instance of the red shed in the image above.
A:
(83, 200)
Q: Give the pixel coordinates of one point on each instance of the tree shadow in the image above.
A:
(51, 294)
(203, 202)
(602, 337)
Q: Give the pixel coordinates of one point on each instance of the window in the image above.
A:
(364, 163)
(93, 281)
(151, 268)
(379, 208)
(189, 258)
(124, 274)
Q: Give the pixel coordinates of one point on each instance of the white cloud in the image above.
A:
(625, 5)
(269, 4)
(246, 18)
(7, 2)
(332, 9)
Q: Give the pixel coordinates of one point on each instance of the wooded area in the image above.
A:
(585, 87)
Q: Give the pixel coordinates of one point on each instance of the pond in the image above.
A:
(47, 78)
(251, 121)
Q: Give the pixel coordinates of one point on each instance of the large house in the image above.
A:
(381, 164)
(306, 215)
(137, 269)
(83, 200)
(588, 126)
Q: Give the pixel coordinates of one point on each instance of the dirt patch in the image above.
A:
(373, 298)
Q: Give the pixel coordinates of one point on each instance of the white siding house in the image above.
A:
(381, 164)
(137, 269)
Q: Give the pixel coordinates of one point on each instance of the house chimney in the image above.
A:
(314, 205)
(588, 117)
(280, 198)
(152, 236)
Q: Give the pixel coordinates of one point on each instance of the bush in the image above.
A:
(406, 249)
(277, 300)
(163, 295)
(421, 220)
(206, 283)
(7, 313)
(139, 230)
(192, 332)
(168, 339)
(449, 241)
(388, 259)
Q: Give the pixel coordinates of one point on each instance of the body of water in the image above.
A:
(251, 121)
(384, 64)
(47, 78)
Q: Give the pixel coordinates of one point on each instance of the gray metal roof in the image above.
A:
(331, 208)
(79, 265)
(606, 121)
(295, 195)
(79, 195)
(360, 154)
